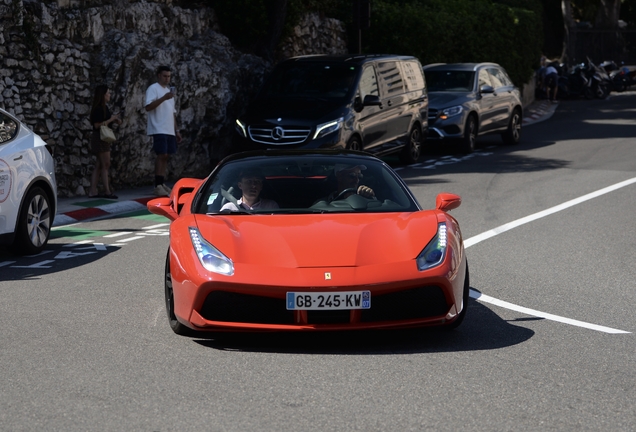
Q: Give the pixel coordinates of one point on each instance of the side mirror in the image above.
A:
(486, 89)
(372, 100)
(162, 207)
(447, 201)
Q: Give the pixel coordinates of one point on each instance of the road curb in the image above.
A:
(100, 211)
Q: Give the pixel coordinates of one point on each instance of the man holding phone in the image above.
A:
(162, 125)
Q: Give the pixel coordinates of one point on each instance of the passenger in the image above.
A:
(348, 178)
(251, 184)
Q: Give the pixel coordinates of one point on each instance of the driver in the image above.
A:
(348, 178)
(251, 184)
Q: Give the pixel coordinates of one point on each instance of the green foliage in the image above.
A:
(450, 31)
(244, 22)
(508, 32)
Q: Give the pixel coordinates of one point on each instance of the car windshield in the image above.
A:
(327, 81)
(303, 184)
(451, 81)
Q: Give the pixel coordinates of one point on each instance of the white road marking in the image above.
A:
(6, 263)
(156, 226)
(78, 243)
(524, 310)
(130, 239)
(123, 233)
(514, 224)
(40, 264)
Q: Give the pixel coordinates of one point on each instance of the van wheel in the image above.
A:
(354, 144)
(34, 223)
(512, 135)
(413, 148)
(467, 143)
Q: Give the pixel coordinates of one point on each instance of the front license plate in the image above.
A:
(328, 300)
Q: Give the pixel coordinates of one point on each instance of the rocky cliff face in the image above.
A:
(51, 59)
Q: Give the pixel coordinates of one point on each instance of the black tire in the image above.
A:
(175, 325)
(462, 314)
(588, 93)
(619, 85)
(603, 91)
(34, 223)
(468, 142)
(512, 135)
(355, 144)
(413, 149)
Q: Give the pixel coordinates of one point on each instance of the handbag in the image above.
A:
(106, 134)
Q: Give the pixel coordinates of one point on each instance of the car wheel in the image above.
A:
(413, 148)
(512, 135)
(355, 144)
(34, 223)
(465, 296)
(175, 325)
(467, 144)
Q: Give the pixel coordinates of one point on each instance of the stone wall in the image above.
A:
(315, 35)
(52, 58)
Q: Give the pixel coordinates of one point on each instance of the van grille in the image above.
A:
(278, 135)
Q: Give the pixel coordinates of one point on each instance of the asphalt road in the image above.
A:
(85, 344)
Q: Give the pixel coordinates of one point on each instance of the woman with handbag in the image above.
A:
(101, 139)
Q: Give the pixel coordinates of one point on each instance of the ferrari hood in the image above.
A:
(301, 241)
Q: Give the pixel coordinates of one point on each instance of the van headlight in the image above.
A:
(240, 128)
(210, 257)
(434, 253)
(327, 128)
(451, 112)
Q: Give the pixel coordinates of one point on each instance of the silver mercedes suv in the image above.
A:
(467, 100)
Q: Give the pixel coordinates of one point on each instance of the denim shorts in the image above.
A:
(164, 144)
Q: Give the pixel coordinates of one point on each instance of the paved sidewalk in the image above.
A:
(538, 111)
(77, 209)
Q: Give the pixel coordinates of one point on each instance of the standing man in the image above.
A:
(162, 126)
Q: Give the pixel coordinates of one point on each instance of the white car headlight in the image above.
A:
(434, 253)
(327, 128)
(210, 257)
(451, 112)
(240, 128)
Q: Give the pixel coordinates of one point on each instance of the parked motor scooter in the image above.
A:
(585, 79)
(601, 84)
(621, 77)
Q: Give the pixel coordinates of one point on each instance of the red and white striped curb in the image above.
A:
(110, 209)
(537, 114)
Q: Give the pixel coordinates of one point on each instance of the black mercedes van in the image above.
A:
(374, 103)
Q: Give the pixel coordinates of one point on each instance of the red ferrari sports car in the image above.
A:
(309, 240)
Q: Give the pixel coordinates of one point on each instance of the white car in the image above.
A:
(28, 191)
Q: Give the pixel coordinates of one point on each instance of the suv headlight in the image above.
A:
(327, 128)
(434, 253)
(210, 257)
(451, 112)
(240, 128)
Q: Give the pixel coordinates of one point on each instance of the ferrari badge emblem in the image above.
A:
(327, 276)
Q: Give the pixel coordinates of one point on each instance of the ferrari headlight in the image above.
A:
(240, 128)
(327, 128)
(210, 257)
(434, 253)
(451, 112)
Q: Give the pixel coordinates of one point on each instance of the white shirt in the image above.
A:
(261, 204)
(160, 119)
(550, 70)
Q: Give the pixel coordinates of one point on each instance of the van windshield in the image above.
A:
(311, 80)
(449, 80)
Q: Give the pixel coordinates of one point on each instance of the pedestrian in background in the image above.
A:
(101, 116)
(162, 125)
